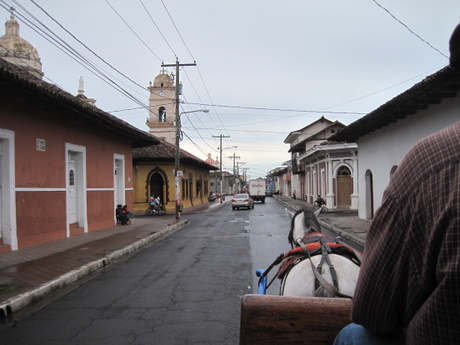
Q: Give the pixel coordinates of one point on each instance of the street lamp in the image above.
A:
(177, 157)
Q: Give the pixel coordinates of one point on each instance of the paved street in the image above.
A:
(185, 289)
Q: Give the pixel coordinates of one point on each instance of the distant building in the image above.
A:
(320, 167)
(211, 161)
(162, 116)
(18, 51)
(154, 175)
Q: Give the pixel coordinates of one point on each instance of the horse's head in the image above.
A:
(303, 222)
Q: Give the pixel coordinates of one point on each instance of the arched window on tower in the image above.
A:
(162, 114)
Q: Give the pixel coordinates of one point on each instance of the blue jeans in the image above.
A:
(355, 334)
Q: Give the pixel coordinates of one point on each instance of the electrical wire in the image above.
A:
(49, 35)
(134, 32)
(411, 31)
(154, 23)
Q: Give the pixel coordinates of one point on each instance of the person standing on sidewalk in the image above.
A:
(408, 290)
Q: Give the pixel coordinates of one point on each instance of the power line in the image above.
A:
(199, 72)
(49, 35)
(412, 32)
(134, 32)
(177, 30)
(277, 109)
(151, 18)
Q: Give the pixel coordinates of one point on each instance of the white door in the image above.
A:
(72, 188)
(118, 182)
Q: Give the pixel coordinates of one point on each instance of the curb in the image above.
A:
(17, 302)
(332, 228)
(342, 233)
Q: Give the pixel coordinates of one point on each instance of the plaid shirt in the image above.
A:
(410, 277)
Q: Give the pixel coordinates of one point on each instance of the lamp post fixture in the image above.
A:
(178, 174)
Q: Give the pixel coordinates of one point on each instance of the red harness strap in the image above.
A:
(312, 243)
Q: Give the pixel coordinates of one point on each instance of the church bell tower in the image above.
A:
(162, 108)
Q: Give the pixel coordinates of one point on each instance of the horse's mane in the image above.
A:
(311, 217)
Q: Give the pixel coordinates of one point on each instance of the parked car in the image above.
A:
(269, 192)
(242, 200)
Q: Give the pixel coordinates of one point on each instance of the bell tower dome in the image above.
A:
(161, 107)
(17, 50)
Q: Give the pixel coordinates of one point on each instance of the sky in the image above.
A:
(264, 68)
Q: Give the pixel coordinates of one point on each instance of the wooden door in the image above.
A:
(344, 191)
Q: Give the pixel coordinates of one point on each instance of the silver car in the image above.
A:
(242, 200)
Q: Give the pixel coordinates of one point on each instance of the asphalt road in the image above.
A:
(185, 289)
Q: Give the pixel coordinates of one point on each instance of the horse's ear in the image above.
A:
(290, 214)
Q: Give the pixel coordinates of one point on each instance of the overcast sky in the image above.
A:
(264, 68)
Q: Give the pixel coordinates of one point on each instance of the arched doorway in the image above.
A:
(156, 185)
(344, 187)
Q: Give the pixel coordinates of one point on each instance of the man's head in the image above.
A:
(454, 47)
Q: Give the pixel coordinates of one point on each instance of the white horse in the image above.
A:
(303, 222)
(300, 280)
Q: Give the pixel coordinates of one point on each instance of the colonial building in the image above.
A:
(161, 119)
(386, 134)
(64, 164)
(154, 175)
(154, 166)
(318, 167)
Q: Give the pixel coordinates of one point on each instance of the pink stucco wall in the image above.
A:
(41, 176)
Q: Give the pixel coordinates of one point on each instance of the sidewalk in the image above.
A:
(343, 222)
(27, 275)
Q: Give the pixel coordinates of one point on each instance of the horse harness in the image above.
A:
(311, 245)
(325, 250)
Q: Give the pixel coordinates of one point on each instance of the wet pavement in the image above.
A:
(27, 275)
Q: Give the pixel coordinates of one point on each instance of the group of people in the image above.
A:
(123, 214)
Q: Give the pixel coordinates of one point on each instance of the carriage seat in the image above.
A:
(288, 320)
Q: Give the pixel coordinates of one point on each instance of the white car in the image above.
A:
(242, 200)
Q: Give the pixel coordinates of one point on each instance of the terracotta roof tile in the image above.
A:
(16, 79)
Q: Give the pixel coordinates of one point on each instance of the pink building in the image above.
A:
(64, 163)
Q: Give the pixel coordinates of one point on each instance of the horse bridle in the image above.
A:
(325, 249)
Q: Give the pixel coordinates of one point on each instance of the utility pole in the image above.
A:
(221, 182)
(238, 164)
(234, 171)
(245, 174)
(178, 126)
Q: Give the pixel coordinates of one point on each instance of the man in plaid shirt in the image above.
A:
(408, 291)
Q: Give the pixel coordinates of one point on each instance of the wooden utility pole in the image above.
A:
(178, 127)
(221, 137)
(234, 170)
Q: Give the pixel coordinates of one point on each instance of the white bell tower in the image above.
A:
(162, 108)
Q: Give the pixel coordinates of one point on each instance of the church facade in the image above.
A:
(154, 165)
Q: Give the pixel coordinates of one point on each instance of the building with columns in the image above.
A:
(319, 167)
(331, 171)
